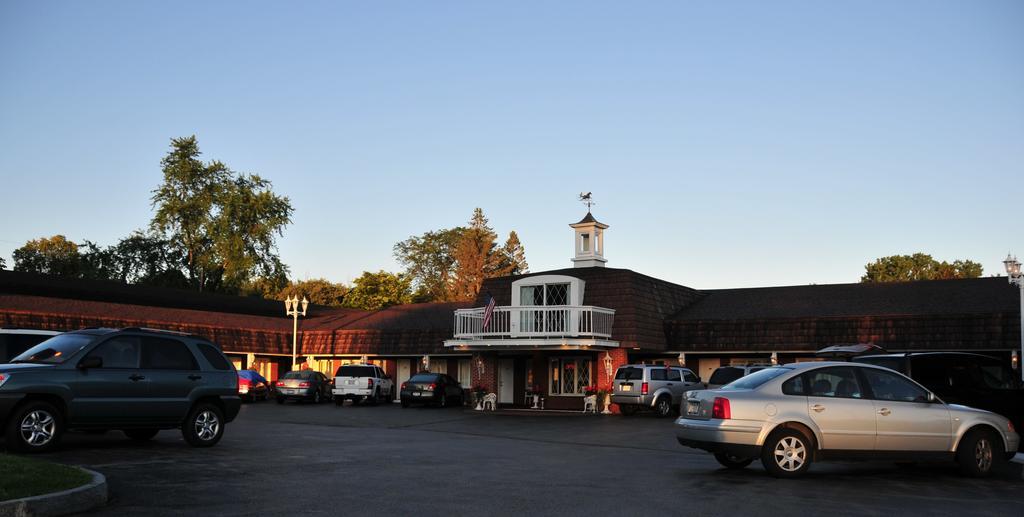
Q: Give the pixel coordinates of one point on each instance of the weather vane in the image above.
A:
(586, 199)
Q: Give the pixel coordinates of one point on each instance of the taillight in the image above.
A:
(243, 382)
(279, 383)
(369, 383)
(404, 385)
(643, 389)
(432, 386)
(303, 384)
(1009, 425)
(721, 409)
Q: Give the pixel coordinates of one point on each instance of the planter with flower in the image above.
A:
(534, 393)
(479, 392)
(604, 394)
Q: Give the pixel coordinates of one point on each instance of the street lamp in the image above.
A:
(1015, 277)
(291, 308)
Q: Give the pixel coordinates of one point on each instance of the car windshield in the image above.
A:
(55, 350)
(725, 375)
(629, 373)
(756, 379)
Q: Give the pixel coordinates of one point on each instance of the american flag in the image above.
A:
(489, 310)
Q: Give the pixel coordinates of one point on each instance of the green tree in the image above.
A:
(429, 260)
(374, 291)
(514, 256)
(3, 264)
(144, 258)
(224, 223)
(477, 258)
(318, 291)
(53, 256)
(919, 266)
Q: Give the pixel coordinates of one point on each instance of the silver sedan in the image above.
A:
(792, 415)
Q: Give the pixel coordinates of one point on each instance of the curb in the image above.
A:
(79, 499)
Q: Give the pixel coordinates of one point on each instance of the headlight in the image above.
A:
(4, 377)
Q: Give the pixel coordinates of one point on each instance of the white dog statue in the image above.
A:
(590, 404)
(491, 399)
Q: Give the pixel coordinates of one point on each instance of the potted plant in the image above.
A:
(604, 394)
(534, 393)
(590, 390)
(479, 392)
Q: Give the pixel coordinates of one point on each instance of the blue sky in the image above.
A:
(727, 144)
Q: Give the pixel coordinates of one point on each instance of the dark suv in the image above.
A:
(136, 380)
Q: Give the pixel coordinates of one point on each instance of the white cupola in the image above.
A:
(589, 242)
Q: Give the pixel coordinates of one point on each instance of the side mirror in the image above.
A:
(91, 362)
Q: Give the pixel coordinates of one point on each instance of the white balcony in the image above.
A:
(530, 322)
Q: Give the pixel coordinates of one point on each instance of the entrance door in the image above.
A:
(506, 381)
(403, 374)
(708, 366)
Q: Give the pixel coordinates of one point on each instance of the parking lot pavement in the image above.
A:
(387, 460)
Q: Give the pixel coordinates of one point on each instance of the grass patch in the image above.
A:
(24, 477)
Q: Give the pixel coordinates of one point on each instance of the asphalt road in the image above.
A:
(306, 459)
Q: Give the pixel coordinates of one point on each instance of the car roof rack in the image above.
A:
(161, 331)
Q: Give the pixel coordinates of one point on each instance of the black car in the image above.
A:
(432, 388)
(973, 380)
(308, 385)
(136, 380)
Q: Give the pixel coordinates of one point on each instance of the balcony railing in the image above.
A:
(535, 321)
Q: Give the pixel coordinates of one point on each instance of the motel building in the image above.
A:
(555, 331)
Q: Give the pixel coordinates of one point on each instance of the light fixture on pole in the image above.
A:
(1015, 277)
(291, 308)
(775, 359)
(682, 359)
(608, 365)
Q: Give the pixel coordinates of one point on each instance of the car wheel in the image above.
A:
(204, 425)
(35, 427)
(786, 454)
(339, 401)
(405, 403)
(443, 403)
(391, 394)
(141, 435)
(979, 453)
(316, 397)
(664, 406)
(280, 400)
(627, 409)
(375, 398)
(731, 461)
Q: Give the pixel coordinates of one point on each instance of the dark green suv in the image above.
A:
(136, 380)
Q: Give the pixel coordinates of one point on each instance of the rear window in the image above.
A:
(756, 379)
(214, 357)
(424, 378)
(629, 374)
(299, 375)
(725, 375)
(355, 371)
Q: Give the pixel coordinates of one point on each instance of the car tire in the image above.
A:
(443, 403)
(663, 406)
(627, 409)
(141, 435)
(280, 399)
(204, 425)
(787, 453)
(316, 397)
(391, 394)
(980, 452)
(730, 461)
(375, 398)
(405, 404)
(35, 427)
(339, 401)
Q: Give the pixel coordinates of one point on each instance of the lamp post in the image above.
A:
(291, 308)
(1015, 277)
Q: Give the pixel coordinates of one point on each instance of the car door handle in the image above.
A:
(195, 377)
(136, 377)
(669, 384)
(884, 411)
(818, 408)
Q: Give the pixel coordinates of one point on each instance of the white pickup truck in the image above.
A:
(359, 382)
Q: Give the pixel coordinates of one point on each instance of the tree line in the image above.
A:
(214, 229)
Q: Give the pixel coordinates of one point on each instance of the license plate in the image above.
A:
(626, 387)
(416, 394)
(287, 391)
(350, 381)
(692, 408)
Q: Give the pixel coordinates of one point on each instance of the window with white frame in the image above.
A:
(569, 376)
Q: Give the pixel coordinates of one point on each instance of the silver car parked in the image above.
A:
(790, 416)
(650, 386)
